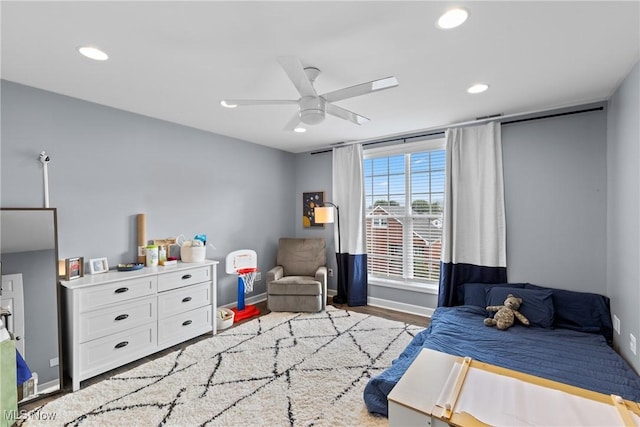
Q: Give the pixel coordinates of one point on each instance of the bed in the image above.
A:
(569, 340)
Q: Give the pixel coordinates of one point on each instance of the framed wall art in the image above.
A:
(310, 201)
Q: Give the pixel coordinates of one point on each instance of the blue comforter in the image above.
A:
(577, 358)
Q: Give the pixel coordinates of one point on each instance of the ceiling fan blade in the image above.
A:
(340, 112)
(294, 69)
(293, 123)
(230, 103)
(361, 89)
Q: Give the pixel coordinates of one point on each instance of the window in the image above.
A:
(379, 222)
(404, 196)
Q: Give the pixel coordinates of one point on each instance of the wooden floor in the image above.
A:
(262, 306)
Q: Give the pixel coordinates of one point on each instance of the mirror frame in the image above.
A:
(56, 283)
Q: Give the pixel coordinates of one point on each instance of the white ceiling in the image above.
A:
(177, 60)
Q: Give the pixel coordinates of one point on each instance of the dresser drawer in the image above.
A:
(108, 320)
(101, 295)
(184, 326)
(181, 278)
(184, 299)
(118, 349)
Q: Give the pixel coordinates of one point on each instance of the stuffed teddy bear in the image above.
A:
(504, 317)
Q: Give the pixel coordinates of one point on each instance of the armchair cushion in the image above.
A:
(301, 257)
(295, 285)
(299, 280)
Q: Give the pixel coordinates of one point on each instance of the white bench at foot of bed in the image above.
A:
(440, 389)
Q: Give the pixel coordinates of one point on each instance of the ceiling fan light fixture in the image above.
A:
(312, 109)
(478, 88)
(225, 104)
(452, 18)
(93, 53)
(311, 117)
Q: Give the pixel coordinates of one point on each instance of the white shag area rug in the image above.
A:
(281, 369)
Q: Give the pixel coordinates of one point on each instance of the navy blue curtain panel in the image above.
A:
(474, 225)
(348, 193)
(452, 275)
(353, 275)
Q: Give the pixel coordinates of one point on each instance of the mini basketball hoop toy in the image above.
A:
(243, 263)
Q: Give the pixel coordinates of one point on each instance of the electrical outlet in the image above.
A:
(632, 343)
(330, 272)
(258, 276)
(616, 324)
(53, 362)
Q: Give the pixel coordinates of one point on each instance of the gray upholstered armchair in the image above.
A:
(298, 282)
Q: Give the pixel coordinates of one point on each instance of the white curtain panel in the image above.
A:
(348, 194)
(474, 226)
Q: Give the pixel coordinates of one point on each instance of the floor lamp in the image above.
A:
(324, 215)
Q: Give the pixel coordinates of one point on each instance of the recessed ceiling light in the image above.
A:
(224, 104)
(93, 53)
(478, 88)
(452, 18)
(300, 129)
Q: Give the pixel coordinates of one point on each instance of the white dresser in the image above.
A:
(117, 317)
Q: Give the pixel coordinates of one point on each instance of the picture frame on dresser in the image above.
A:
(73, 268)
(98, 265)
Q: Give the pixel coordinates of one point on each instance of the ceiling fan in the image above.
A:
(313, 107)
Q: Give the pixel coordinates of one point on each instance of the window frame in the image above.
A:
(380, 223)
(431, 144)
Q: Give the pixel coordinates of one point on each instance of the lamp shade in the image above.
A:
(323, 215)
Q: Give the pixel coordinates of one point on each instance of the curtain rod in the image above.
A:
(502, 119)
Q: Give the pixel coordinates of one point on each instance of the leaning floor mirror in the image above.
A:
(29, 298)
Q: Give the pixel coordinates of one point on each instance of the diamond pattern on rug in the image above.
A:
(282, 369)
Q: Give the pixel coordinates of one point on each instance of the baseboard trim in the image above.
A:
(394, 305)
(400, 306)
(49, 386)
(372, 301)
(249, 300)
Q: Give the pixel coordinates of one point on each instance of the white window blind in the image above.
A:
(404, 196)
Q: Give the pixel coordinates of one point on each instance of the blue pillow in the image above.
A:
(476, 294)
(537, 304)
(581, 311)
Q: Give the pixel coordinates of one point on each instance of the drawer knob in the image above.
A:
(121, 290)
(186, 323)
(186, 299)
(122, 317)
(122, 344)
(186, 276)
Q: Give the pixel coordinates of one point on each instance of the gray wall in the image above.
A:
(109, 165)
(555, 196)
(313, 173)
(555, 200)
(623, 201)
